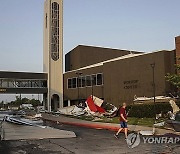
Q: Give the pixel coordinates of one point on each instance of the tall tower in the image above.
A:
(53, 53)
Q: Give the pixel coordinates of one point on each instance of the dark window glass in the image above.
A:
(80, 82)
(74, 82)
(93, 79)
(69, 83)
(46, 20)
(99, 79)
(83, 81)
(88, 80)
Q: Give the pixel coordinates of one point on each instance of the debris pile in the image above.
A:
(94, 106)
(158, 99)
(72, 110)
(20, 121)
(174, 106)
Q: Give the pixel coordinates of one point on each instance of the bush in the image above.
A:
(148, 110)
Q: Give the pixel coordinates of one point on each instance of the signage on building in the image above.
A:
(131, 84)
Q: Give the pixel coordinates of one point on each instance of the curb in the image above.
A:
(93, 126)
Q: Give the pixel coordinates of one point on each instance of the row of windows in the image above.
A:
(11, 83)
(85, 81)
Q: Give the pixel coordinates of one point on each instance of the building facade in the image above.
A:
(53, 53)
(83, 55)
(117, 78)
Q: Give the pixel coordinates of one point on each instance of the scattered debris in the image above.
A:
(72, 110)
(158, 99)
(171, 115)
(174, 117)
(91, 103)
(159, 115)
(160, 124)
(147, 132)
(19, 121)
(94, 107)
(110, 108)
(38, 115)
(97, 107)
(175, 123)
(97, 119)
(174, 106)
(26, 106)
(97, 101)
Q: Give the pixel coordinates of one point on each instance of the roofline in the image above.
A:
(104, 48)
(115, 59)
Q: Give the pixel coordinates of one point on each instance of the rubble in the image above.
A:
(72, 110)
(94, 107)
(158, 99)
(147, 132)
(174, 106)
(20, 121)
(160, 124)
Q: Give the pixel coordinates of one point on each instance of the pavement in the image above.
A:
(88, 141)
(60, 119)
(18, 132)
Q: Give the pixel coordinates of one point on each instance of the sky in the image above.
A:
(142, 25)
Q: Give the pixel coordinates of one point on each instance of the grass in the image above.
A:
(131, 120)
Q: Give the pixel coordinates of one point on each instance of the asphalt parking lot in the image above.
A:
(88, 141)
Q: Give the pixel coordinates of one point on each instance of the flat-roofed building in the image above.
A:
(117, 79)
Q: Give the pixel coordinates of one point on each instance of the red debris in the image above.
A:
(91, 104)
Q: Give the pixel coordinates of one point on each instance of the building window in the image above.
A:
(88, 80)
(55, 31)
(74, 82)
(93, 77)
(69, 83)
(46, 20)
(99, 79)
(83, 81)
(79, 81)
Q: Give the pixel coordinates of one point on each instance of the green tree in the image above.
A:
(35, 102)
(25, 100)
(174, 79)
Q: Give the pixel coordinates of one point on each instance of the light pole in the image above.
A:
(78, 74)
(154, 90)
(153, 84)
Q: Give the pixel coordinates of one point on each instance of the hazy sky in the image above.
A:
(145, 25)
